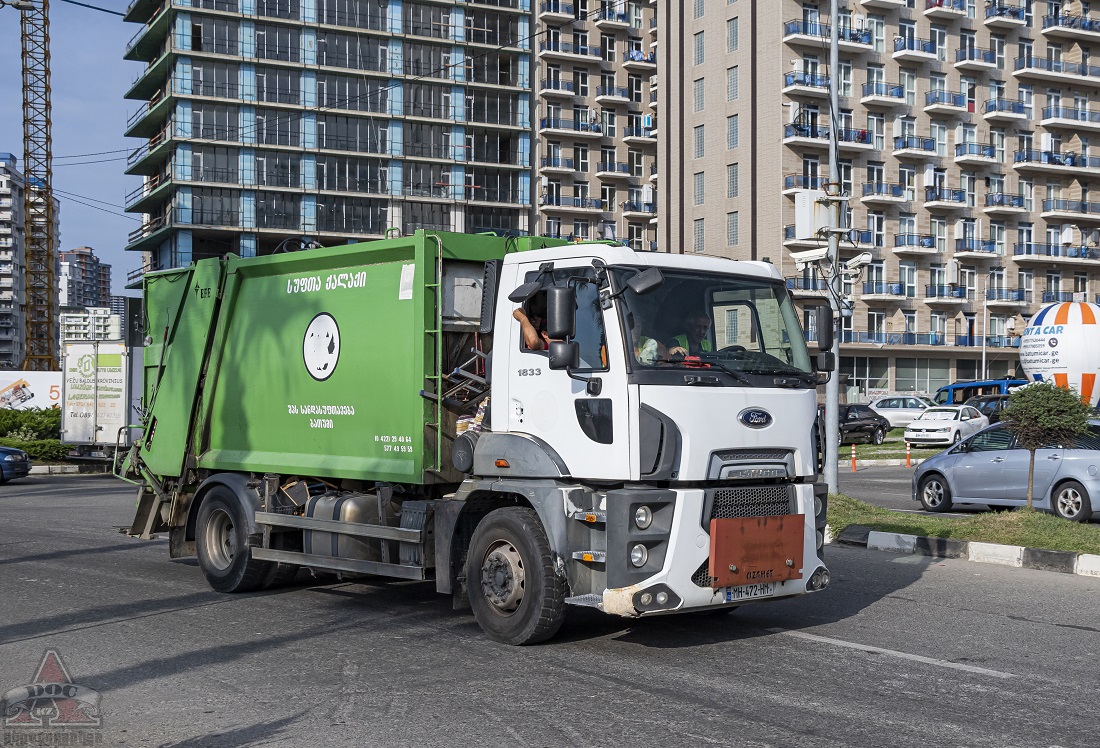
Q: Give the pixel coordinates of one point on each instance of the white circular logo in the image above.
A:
(321, 347)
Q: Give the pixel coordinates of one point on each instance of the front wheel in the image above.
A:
(1071, 501)
(957, 438)
(934, 493)
(515, 594)
(221, 543)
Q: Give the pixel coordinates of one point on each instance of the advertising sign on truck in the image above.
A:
(96, 397)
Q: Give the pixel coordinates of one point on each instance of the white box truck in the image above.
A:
(97, 397)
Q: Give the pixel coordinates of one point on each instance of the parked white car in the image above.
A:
(901, 410)
(945, 425)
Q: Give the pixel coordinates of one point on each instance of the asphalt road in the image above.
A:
(899, 651)
(889, 487)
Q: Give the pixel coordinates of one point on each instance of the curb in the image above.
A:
(69, 470)
(1066, 562)
(883, 463)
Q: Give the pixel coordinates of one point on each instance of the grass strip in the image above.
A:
(1030, 529)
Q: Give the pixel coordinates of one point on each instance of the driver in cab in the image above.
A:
(694, 341)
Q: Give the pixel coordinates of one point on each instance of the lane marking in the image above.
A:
(901, 655)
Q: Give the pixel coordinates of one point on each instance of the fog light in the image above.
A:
(646, 598)
(819, 580)
(820, 539)
(817, 506)
(662, 598)
(639, 554)
(643, 517)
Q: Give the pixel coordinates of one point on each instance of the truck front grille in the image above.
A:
(748, 501)
(730, 455)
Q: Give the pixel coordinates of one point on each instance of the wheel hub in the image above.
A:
(221, 541)
(1069, 502)
(502, 577)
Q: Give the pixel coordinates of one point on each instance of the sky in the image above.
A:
(89, 78)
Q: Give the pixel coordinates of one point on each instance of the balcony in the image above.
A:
(975, 249)
(1071, 117)
(571, 204)
(946, 10)
(1070, 210)
(914, 50)
(558, 165)
(1002, 203)
(883, 4)
(1007, 297)
(1054, 162)
(610, 20)
(950, 294)
(612, 170)
(1005, 15)
(805, 84)
(812, 34)
(946, 102)
(612, 95)
(915, 244)
(569, 51)
(792, 183)
(1056, 254)
(636, 59)
(883, 94)
(1057, 71)
(792, 241)
(1071, 27)
(634, 209)
(851, 138)
(882, 338)
(1005, 110)
(639, 135)
(800, 286)
(558, 126)
(882, 193)
(1054, 297)
(975, 154)
(814, 136)
(944, 199)
(552, 10)
(556, 89)
(883, 291)
(974, 59)
(912, 146)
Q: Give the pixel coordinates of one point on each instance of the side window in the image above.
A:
(988, 441)
(532, 323)
(1089, 440)
(912, 402)
(589, 323)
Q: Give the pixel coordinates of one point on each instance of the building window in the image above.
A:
(699, 48)
(699, 187)
(731, 180)
(731, 84)
(731, 131)
(698, 235)
(700, 141)
(699, 95)
(698, 8)
(733, 227)
(731, 35)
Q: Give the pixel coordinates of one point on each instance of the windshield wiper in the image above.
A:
(703, 365)
(799, 375)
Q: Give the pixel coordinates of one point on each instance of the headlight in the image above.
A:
(11, 458)
(643, 517)
(639, 554)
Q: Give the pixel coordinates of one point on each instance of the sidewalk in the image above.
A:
(90, 469)
(1067, 562)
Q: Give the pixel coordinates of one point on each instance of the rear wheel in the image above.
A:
(221, 543)
(1071, 501)
(879, 435)
(516, 596)
(934, 493)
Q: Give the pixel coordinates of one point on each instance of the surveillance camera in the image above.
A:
(809, 257)
(862, 260)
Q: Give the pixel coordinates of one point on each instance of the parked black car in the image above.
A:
(989, 406)
(860, 423)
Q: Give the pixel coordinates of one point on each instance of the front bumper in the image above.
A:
(13, 470)
(945, 440)
(683, 583)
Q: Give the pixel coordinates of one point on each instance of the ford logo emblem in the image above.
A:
(755, 418)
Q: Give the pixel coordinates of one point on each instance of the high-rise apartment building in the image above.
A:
(94, 323)
(597, 121)
(13, 266)
(84, 280)
(265, 121)
(967, 148)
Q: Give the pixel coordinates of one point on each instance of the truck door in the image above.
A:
(588, 431)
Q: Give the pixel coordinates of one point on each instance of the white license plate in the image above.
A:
(749, 591)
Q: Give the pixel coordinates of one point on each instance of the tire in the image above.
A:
(282, 575)
(878, 436)
(934, 493)
(1071, 501)
(221, 543)
(516, 596)
(958, 438)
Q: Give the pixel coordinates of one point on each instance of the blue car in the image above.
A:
(14, 463)
(990, 468)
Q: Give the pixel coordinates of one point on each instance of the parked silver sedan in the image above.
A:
(990, 469)
(900, 410)
(945, 424)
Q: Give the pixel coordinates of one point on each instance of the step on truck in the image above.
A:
(529, 423)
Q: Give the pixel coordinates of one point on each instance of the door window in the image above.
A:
(989, 441)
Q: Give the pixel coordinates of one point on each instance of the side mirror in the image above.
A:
(564, 355)
(561, 312)
(825, 361)
(825, 329)
(646, 281)
(524, 292)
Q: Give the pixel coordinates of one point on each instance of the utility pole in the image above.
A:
(832, 388)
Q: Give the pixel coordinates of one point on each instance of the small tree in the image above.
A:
(1043, 414)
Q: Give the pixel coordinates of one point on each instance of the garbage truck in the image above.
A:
(530, 424)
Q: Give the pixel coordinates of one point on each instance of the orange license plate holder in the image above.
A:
(750, 550)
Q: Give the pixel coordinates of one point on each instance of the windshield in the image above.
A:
(938, 414)
(730, 323)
